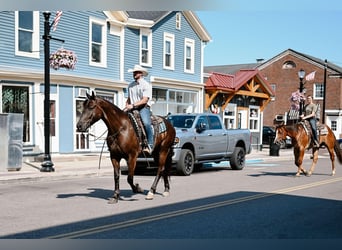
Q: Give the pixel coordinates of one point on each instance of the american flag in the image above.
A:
(310, 76)
(56, 20)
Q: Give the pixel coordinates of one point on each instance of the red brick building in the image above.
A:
(281, 73)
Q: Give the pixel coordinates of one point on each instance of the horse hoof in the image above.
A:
(138, 189)
(309, 174)
(297, 175)
(333, 173)
(149, 196)
(166, 194)
(112, 201)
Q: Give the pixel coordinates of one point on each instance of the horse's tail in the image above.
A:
(338, 151)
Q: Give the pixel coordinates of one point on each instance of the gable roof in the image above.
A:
(147, 19)
(232, 83)
(229, 69)
(311, 59)
(220, 81)
(154, 16)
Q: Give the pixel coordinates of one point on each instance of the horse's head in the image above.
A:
(91, 113)
(281, 134)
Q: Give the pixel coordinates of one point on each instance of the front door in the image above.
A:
(242, 119)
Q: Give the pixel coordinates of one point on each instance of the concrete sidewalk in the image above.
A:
(80, 165)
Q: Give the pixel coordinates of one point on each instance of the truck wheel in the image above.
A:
(237, 161)
(185, 165)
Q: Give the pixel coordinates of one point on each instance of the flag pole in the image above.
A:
(324, 90)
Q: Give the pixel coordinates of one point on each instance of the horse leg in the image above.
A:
(314, 161)
(116, 195)
(150, 194)
(131, 168)
(332, 158)
(299, 155)
(166, 173)
(161, 172)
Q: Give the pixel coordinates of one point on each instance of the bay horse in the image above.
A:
(123, 143)
(301, 141)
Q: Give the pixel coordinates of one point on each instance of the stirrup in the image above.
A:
(147, 149)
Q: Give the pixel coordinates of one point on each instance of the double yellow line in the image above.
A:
(133, 222)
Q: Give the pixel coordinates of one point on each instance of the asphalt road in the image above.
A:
(263, 201)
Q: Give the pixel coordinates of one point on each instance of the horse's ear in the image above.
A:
(92, 96)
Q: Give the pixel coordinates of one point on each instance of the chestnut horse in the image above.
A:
(123, 143)
(301, 140)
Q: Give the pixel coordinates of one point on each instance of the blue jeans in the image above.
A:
(314, 128)
(146, 119)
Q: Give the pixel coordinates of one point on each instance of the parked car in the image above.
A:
(268, 135)
(340, 142)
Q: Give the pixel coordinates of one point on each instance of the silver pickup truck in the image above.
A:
(202, 138)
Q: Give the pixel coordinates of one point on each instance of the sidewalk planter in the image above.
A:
(274, 148)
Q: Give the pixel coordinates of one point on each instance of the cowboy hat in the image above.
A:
(139, 68)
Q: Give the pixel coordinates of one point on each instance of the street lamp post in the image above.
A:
(324, 90)
(301, 74)
(47, 165)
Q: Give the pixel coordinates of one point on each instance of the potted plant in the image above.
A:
(63, 58)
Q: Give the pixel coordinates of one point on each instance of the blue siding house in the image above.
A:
(107, 43)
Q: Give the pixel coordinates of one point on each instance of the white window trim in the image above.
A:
(189, 43)
(171, 38)
(148, 33)
(314, 91)
(178, 21)
(256, 118)
(35, 38)
(103, 23)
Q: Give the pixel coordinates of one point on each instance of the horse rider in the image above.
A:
(310, 115)
(139, 98)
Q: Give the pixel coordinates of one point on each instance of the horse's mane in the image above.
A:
(112, 105)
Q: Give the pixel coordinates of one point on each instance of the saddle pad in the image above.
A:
(322, 129)
(158, 124)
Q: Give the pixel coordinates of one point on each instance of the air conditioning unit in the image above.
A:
(279, 118)
(82, 92)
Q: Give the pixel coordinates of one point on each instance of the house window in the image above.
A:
(333, 125)
(146, 47)
(289, 65)
(27, 33)
(229, 116)
(253, 118)
(98, 43)
(189, 52)
(274, 87)
(82, 138)
(318, 91)
(178, 21)
(15, 99)
(169, 48)
(174, 101)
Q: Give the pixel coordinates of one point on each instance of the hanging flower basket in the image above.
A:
(295, 99)
(63, 58)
